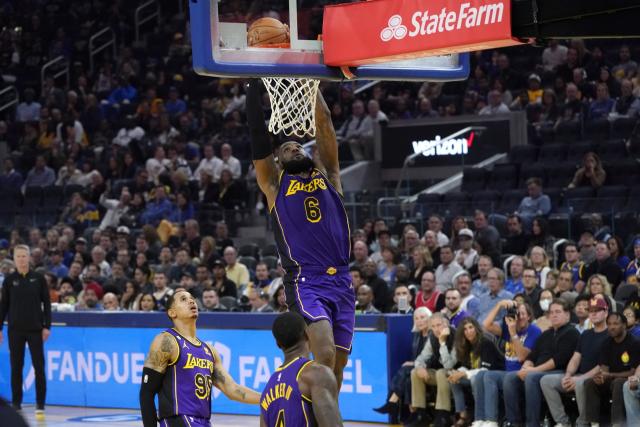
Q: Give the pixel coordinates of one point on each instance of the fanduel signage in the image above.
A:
(102, 367)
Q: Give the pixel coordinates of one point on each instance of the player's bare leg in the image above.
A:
(324, 348)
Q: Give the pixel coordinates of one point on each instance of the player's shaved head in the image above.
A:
(288, 329)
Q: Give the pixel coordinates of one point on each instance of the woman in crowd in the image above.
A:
(142, 278)
(148, 303)
(457, 224)
(422, 262)
(599, 285)
(543, 322)
(540, 263)
(208, 253)
(131, 296)
(540, 235)
(551, 280)
(633, 319)
(590, 174)
(475, 352)
(615, 245)
(400, 388)
(388, 265)
(279, 300)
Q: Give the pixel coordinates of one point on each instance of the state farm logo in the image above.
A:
(395, 30)
(432, 22)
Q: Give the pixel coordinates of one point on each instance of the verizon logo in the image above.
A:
(427, 22)
(437, 147)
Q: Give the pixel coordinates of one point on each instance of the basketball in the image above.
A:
(267, 31)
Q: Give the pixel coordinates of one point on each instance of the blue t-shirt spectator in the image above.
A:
(528, 339)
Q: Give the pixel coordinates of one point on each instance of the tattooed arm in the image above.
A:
(223, 381)
(164, 350)
(327, 143)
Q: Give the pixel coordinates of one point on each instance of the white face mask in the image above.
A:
(544, 304)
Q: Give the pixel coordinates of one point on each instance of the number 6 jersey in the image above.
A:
(186, 387)
(310, 223)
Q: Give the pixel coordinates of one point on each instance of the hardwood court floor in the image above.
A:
(68, 416)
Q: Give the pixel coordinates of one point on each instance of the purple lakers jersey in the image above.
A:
(310, 223)
(186, 387)
(282, 404)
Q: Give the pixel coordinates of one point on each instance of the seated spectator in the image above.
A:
(159, 208)
(229, 193)
(236, 272)
(468, 302)
(364, 301)
(495, 294)
(581, 313)
(616, 247)
(157, 165)
(520, 336)
(388, 264)
(182, 265)
(11, 180)
(381, 297)
(632, 398)
(457, 224)
(626, 67)
(362, 147)
(553, 55)
(475, 353)
(517, 242)
(573, 264)
(383, 240)
(581, 367)
(632, 313)
(543, 320)
(110, 302)
(431, 366)
(590, 174)
(540, 263)
(535, 204)
(131, 297)
(174, 105)
(221, 283)
(148, 303)
(80, 213)
(619, 355)
(228, 162)
(40, 175)
(89, 301)
(435, 224)
(56, 266)
(487, 236)
(550, 354)
(161, 290)
(428, 296)
(452, 309)
(600, 107)
(564, 287)
(259, 302)
(421, 262)
(29, 109)
(605, 265)
(534, 89)
(447, 269)
(211, 301)
(480, 285)
(402, 299)
(431, 243)
(624, 103)
(352, 129)
(279, 302)
(514, 283)
(599, 285)
(400, 387)
(466, 256)
(209, 163)
(495, 105)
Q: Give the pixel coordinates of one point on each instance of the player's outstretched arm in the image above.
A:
(164, 350)
(327, 143)
(228, 386)
(261, 151)
(320, 382)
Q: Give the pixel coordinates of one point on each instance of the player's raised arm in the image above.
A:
(261, 151)
(327, 143)
(164, 350)
(320, 383)
(225, 383)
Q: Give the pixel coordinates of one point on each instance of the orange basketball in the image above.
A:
(267, 31)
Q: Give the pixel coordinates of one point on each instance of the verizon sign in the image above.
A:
(384, 30)
(438, 147)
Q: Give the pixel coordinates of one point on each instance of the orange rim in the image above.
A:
(273, 45)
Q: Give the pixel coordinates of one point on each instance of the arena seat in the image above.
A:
(503, 177)
(511, 200)
(560, 175)
(523, 154)
(486, 200)
(552, 153)
(473, 179)
(610, 199)
(250, 249)
(248, 261)
(577, 150)
(612, 150)
(456, 203)
(529, 170)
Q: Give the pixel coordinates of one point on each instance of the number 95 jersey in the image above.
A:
(310, 223)
(186, 387)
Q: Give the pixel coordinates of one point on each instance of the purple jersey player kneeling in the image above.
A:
(300, 393)
(181, 370)
(311, 229)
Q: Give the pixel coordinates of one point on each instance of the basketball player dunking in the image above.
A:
(181, 369)
(311, 229)
(300, 393)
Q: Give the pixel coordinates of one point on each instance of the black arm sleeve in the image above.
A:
(150, 386)
(260, 143)
(46, 303)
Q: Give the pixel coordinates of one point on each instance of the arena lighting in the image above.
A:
(408, 161)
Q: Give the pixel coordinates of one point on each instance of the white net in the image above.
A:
(293, 105)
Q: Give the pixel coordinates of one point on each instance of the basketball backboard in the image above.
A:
(219, 40)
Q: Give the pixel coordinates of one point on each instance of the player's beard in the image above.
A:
(297, 166)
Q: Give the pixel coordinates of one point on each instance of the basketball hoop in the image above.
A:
(293, 105)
